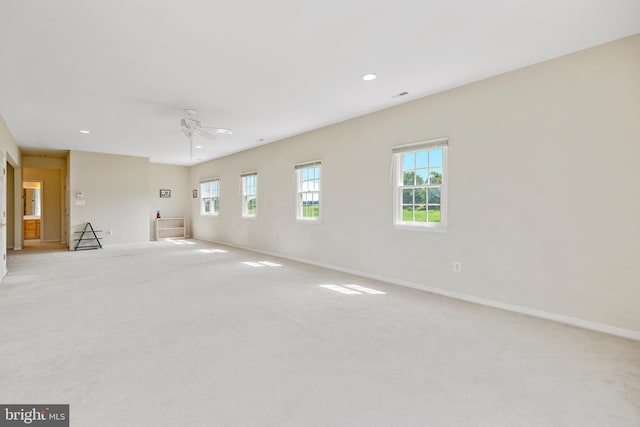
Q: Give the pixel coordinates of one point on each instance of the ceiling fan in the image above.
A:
(192, 127)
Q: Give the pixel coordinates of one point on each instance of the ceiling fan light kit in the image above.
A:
(192, 127)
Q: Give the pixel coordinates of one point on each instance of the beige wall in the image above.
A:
(176, 179)
(543, 204)
(8, 144)
(116, 195)
(55, 208)
(51, 221)
(67, 198)
(44, 163)
(9, 147)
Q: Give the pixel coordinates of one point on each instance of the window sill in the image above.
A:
(314, 221)
(410, 227)
(210, 215)
(250, 218)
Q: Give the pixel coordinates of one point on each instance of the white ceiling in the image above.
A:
(125, 69)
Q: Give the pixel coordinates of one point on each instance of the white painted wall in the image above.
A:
(116, 195)
(176, 179)
(543, 190)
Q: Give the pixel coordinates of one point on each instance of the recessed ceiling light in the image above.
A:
(369, 77)
(225, 131)
(85, 131)
(198, 146)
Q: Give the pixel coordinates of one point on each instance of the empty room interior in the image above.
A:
(409, 213)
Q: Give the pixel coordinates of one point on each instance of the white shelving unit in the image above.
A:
(170, 228)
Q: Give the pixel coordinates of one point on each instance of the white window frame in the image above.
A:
(214, 198)
(300, 191)
(246, 195)
(398, 185)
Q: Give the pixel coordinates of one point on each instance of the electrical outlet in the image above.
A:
(457, 266)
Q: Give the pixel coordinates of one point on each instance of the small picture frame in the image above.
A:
(195, 194)
(165, 194)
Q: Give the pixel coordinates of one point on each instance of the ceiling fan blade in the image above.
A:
(220, 131)
(206, 134)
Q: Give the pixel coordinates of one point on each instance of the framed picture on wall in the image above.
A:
(165, 194)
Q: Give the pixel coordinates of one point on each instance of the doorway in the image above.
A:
(32, 210)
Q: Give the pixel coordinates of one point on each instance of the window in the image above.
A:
(210, 197)
(249, 195)
(420, 184)
(308, 191)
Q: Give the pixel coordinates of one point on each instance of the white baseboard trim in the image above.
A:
(568, 320)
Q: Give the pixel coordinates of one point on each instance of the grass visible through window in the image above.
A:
(251, 207)
(420, 215)
(310, 211)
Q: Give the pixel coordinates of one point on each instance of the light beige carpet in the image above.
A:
(187, 334)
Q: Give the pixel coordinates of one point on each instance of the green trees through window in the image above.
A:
(250, 195)
(210, 197)
(419, 183)
(308, 191)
